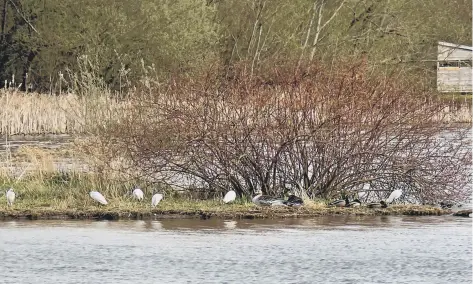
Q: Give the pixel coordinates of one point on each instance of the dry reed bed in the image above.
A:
(456, 114)
(34, 114)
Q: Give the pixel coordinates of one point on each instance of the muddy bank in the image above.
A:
(156, 214)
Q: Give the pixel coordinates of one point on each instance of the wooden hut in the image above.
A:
(454, 72)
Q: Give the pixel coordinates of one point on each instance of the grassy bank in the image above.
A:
(56, 196)
(44, 192)
(200, 210)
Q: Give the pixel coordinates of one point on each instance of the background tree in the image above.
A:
(46, 37)
(172, 35)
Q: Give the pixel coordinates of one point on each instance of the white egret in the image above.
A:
(97, 196)
(267, 200)
(10, 197)
(229, 197)
(138, 194)
(156, 199)
(394, 195)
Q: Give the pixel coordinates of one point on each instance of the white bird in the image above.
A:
(394, 195)
(229, 197)
(10, 197)
(97, 196)
(156, 199)
(138, 194)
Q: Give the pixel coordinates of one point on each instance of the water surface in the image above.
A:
(322, 250)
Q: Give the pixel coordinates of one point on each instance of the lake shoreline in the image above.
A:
(219, 213)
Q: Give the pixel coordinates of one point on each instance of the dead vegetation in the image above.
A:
(320, 135)
(38, 114)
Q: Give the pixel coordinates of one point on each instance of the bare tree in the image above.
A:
(320, 136)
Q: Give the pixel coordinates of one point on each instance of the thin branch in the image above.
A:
(23, 16)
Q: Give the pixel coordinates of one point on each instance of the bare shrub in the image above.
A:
(320, 135)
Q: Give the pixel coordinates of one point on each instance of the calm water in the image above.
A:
(322, 250)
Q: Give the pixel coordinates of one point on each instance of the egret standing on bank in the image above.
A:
(394, 195)
(229, 197)
(156, 199)
(97, 196)
(10, 197)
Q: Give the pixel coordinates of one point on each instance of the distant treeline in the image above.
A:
(124, 40)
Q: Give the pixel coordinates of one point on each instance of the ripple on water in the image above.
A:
(322, 250)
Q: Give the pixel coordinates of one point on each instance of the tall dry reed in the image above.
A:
(33, 113)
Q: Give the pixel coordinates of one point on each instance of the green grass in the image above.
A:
(70, 191)
(61, 195)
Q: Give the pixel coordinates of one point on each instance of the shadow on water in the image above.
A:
(319, 223)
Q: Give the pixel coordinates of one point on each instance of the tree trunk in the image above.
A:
(4, 20)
